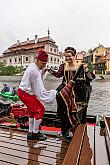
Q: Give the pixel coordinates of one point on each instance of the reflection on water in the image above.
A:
(99, 101)
(100, 98)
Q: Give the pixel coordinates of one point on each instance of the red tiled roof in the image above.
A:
(43, 39)
(80, 55)
(29, 45)
(101, 59)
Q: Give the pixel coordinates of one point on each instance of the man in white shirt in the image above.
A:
(32, 93)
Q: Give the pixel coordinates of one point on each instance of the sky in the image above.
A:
(82, 24)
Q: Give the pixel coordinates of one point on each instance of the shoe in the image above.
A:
(39, 136)
(29, 136)
(36, 136)
(66, 138)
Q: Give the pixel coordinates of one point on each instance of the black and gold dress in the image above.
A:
(77, 91)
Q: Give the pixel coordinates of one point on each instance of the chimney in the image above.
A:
(18, 42)
(27, 40)
(36, 38)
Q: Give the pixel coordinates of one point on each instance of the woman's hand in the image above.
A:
(46, 69)
(85, 67)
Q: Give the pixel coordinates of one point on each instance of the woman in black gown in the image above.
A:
(76, 81)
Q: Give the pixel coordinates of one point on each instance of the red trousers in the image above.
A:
(35, 107)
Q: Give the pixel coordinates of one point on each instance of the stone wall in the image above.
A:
(10, 78)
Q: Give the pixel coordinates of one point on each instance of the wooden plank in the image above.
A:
(107, 135)
(100, 151)
(108, 122)
(37, 144)
(14, 160)
(14, 149)
(73, 151)
(6, 163)
(21, 136)
(28, 156)
(87, 153)
(32, 151)
(50, 141)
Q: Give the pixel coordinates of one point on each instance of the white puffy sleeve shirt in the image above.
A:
(32, 83)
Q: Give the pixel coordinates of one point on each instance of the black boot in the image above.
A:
(36, 136)
(66, 137)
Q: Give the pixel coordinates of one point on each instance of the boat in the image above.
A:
(90, 145)
(9, 92)
(9, 95)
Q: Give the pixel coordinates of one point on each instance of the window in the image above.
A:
(51, 59)
(54, 50)
(15, 59)
(51, 49)
(27, 59)
(10, 60)
(19, 59)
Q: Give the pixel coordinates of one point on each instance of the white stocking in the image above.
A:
(36, 125)
(31, 124)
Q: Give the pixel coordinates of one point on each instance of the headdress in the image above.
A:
(70, 49)
(42, 56)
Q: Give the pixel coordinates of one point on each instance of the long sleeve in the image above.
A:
(58, 73)
(39, 90)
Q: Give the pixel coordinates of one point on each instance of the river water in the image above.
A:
(99, 100)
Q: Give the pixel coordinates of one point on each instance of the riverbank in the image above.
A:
(49, 77)
(10, 78)
(19, 77)
(102, 77)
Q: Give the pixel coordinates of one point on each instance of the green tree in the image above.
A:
(90, 67)
(9, 70)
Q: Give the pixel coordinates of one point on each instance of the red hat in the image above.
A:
(42, 56)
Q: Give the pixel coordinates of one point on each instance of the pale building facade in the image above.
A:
(23, 53)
